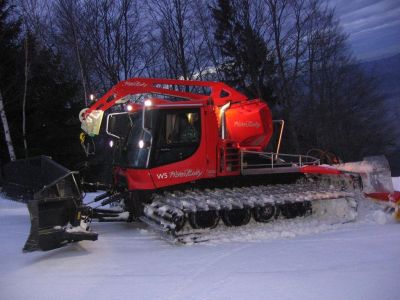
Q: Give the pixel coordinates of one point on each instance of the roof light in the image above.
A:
(111, 143)
(148, 103)
(92, 97)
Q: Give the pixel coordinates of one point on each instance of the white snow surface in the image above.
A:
(298, 259)
(396, 183)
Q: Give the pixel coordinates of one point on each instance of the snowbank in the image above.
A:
(396, 183)
(298, 259)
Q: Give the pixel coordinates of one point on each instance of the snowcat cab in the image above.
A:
(159, 137)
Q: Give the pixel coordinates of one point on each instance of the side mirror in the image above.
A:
(147, 119)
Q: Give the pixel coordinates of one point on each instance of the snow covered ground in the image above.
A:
(295, 260)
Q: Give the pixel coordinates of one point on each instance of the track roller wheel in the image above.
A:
(236, 217)
(300, 209)
(307, 206)
(179, 222)
(203, 219)
(264, 214)
(289, 210)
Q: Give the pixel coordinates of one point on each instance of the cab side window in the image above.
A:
(179, 134)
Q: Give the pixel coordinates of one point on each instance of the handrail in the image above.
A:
(278, 146)
(277, 160)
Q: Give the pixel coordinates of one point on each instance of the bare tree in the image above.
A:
(338, 107)
(26, 75)
(313, 77)
(289, 22)
(183, 42)
(113, 35)
(38, 17)
(171, 18)
(68, 20)
(7, 134)
(25, 15)
(207, 63)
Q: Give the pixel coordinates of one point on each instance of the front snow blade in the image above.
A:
(55, 223)
(54, 202)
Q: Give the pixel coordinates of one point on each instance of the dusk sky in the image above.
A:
(373, 26)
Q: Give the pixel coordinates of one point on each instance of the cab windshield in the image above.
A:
(132, 146)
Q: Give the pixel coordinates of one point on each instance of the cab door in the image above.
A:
(179, 147)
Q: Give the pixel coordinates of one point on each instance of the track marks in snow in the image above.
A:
(209, 267)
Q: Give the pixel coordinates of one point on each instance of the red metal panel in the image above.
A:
(319, 170)
(137, 179)
(220, 93)
(249, 124)
(388, 197)
(212, 138)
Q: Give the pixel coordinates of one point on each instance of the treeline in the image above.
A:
(291, 53)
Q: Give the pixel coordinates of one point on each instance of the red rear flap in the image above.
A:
(319, 170)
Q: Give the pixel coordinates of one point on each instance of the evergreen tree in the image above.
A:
(247, 63)
(52, 110)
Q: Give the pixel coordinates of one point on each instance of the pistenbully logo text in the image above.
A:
(246, 124)
(180, 174)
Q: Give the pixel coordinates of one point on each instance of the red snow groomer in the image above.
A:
(190, 155)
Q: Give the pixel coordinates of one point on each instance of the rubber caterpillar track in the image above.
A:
(183, 216)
